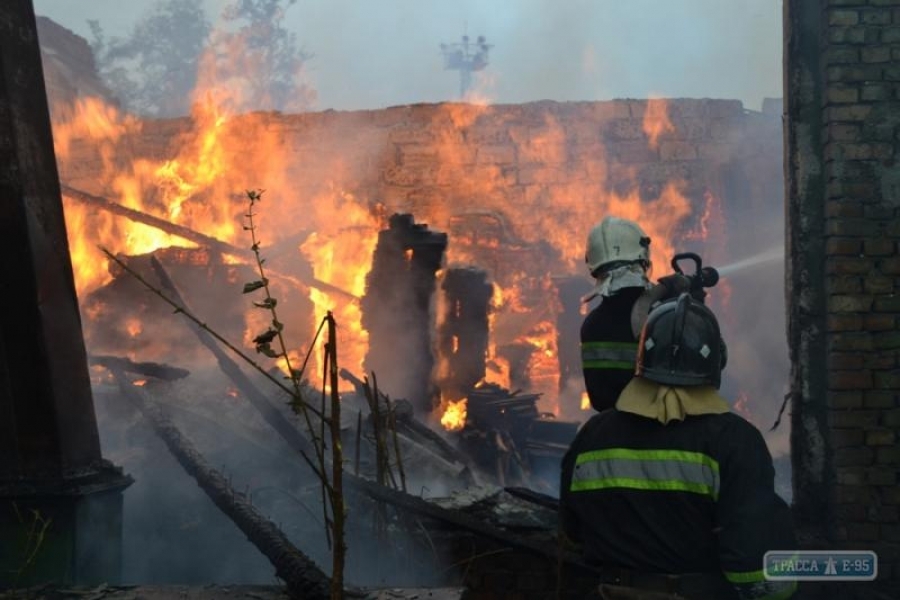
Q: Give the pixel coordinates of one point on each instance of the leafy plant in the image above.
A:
(271, 343)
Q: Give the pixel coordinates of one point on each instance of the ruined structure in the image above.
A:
(842, 84)
(397, 309)
(452, 164)
(463, 332)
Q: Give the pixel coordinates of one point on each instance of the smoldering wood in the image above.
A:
(301, 575)
(150, 369)
(420, 434)
(396, 309)
(464, 330)
(506, 434)
(534, 497)
(455, 518)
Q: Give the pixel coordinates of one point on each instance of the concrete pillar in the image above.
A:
(51, 470)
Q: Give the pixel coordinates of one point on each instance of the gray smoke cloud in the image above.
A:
(373, 55)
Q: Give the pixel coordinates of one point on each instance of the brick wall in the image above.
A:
(543, 171)
(843, 182)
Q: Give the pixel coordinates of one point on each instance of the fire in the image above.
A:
(341, 252)
(217, 155)
(454, 415)
(134, 327)
(585, 401)
(656, 121)
(139, 382)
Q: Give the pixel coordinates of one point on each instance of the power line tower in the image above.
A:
(466, 57)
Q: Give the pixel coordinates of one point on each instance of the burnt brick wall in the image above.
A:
(436, 158)
(842, 85)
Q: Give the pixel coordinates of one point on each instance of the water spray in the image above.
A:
(767, 256)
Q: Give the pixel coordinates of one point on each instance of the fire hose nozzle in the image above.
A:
(702, 277)
(708, 277)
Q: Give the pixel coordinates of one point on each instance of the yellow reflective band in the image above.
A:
(631, 454)
(672, 485)
(660, 470)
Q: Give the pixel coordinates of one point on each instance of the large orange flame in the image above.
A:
(538, 228)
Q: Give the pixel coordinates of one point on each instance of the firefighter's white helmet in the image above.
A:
(616, 242)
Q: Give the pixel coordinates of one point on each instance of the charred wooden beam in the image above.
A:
(302, 576)
(534, 497)
(493, 407)
(463, 333)
(150, 369)
(462, 521)
(396, 309)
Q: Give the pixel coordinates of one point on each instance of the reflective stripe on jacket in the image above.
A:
(609, 348)
(692, 496)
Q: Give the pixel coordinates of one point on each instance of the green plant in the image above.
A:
(332, 491)
(271, 343)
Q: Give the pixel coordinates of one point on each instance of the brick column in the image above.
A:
(843, 134)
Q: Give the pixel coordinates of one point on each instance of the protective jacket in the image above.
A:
(609, 347)
(691, 496)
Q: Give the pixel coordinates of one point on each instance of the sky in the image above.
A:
(371, 54)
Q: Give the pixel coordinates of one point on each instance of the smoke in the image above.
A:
(372, 55)
(174, 534)
(387, 54)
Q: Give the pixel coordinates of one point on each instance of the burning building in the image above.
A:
(513, 187)
(508, 193)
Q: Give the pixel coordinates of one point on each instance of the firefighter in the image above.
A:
(669, 492)
(618, 257)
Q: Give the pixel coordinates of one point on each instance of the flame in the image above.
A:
(134, 327)
(139, 382)
(199, 181)
(340, 252)
(656, 121)
(454, 415)
(585, 401)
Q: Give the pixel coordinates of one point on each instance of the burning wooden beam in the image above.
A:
(150, 369)
(198, 238)
(141, 217)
